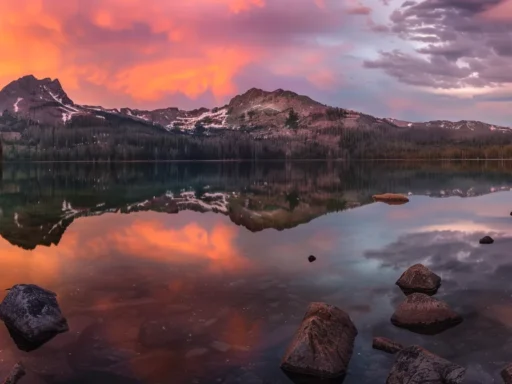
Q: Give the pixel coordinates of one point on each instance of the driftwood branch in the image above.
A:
(17, 372)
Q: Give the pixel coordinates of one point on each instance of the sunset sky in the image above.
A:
(416, 60)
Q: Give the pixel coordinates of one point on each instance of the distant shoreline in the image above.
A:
(249, 161)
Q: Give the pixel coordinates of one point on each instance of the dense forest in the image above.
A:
(123, 139)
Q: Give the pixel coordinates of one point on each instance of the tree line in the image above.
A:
(121, 139)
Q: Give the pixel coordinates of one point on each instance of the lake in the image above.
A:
(199, 272)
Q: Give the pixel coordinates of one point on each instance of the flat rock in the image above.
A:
(506, 374)
(32, 314)
(416, 365)
(419, 278)
(486, 240)
(423, 314)
(323, 344)
(386, 345)
(391, 198)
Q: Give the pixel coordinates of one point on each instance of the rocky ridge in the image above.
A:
(45, 101)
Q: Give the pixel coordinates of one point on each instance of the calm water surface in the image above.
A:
(198, 273)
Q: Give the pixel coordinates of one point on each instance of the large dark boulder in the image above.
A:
(416, 365)
(419, 278)
(32, 315)
(423, 314)
(323, 344)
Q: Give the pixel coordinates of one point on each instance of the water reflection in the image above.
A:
(184, 273)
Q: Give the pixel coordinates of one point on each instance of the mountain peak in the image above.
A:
(29, 87)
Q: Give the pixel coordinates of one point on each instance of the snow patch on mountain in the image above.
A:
(208, 119)
(15, 105)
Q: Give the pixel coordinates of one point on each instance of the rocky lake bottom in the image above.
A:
(200, 273)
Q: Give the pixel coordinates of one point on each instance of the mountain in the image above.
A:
(461, 128)
(39, 121)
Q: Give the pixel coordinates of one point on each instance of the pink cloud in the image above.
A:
(131, 49)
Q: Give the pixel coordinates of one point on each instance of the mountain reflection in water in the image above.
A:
(189, 273)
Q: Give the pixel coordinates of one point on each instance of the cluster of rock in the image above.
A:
(419, 312)
(32, 316)
(323, 344)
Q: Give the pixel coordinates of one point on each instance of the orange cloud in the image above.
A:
(139, 51)
(192, 243)
(214, 70)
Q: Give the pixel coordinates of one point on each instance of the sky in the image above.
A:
(412, 60)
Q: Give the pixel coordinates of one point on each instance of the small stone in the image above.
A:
(423, 314)
(220, 346)
(210, 322)
(323, 344)
(506, 374)
(196, 352)
(486, 240)
(386, 345)
(419, 278)
(311, 258)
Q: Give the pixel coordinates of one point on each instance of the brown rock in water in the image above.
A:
(386, 345)
(421, 313)
(391, 198)
(416, 365)
(323, 344)
(419, 278)
(486, 240)
(17, 372)
(311, 258)
(506, 374)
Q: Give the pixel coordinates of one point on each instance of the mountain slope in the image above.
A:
(40, 121)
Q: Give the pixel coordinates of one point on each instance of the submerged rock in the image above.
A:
(486, 240)
(32, 314)
(311, 258)
(323, 344)
(423, 314)
(506, 374)
(17, 372)
(416, 365)
(391, 198)
(419, 278)
(386, 345)
(160, 333)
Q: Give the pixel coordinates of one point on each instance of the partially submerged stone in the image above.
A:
(323, 344)
(486, 240)
(419, 278)
(423, 314)
(16, 373)
(391, 198)
(416, 365)
(32, 314)
(506, 374)
(386, 345)
(311, 258)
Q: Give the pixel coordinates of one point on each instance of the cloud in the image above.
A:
(501, 12)
(454, 46)
(146, 52)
